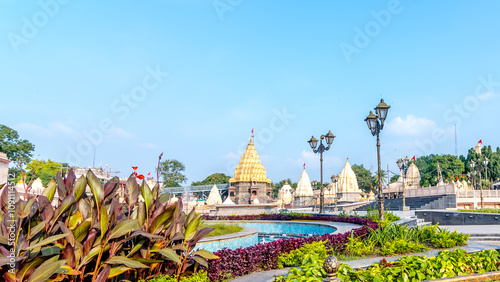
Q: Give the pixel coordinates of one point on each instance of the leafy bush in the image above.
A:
(265, 256)
(418, 268)
(401, 246)
(95, 237)
(200, 276)
(442, 238)
(358, 247)
(295, 257)
(374, 216)
(296, 214)
(311, 270)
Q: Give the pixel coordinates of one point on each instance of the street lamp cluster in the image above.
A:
(313, 142)
(403, 165)
(375, 123)
(476, 168)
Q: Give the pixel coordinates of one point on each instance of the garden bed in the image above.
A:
(239, 262)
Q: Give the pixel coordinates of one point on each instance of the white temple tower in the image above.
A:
(4, 168)
(412, 177)
(347, 184)
(303, 195)
(214, 197)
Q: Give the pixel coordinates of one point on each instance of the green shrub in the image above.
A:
(311, 270)
(296, 257)
(358, 247)
(200, 276)
(401, 246)
(418, 268)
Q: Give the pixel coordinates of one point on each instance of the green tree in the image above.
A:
(365, 179)
(394, 178)
(450, 165)
(19, 150)
(277, 186)
(45, 170)
(172, 173)
(216, 178)
(383, 173)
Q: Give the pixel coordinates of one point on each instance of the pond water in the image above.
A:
(261, 232)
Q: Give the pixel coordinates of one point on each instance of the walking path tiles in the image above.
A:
(268, 276)
(474, 229)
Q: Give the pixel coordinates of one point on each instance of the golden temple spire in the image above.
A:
(250, 169)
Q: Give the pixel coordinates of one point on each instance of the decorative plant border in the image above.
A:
(242, 261)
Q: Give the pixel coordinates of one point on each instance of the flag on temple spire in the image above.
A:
(252, 130)
(413, 159)
(304, 165)
(480, 142)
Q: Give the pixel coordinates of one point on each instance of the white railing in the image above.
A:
(430, 191)
(477, 194)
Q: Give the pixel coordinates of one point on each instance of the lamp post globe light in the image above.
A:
(313, 142)
(335, 179)
(403, 165)
(476, 167)
(375, 123)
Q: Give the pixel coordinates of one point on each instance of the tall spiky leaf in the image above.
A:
(122, 228)
(126, 261)
(146, 194)
(50, 190)
(104, 221)
(96, 188)
(131, 191)
(66, 204)
(45, 270)
(62, 191)
(79, 187)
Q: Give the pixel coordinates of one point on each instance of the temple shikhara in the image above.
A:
(347, 185)
(250, 184)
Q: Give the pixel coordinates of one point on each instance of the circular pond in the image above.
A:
(259, 231)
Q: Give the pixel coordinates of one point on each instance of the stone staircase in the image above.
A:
(493, 239)
(394, 204)
(422, 222)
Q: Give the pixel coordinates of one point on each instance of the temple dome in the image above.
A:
(250, 169)
(285, 194)
(214, 197)
(413, 176)
(304, 188)
(348, 182)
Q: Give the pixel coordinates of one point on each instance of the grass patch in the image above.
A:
(482, 210)
(222, 228)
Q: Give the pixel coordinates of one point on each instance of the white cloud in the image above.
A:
(231, 157)
(119, 132)
(411, 125)
(312, 160)
(54, 129)
(487, 96)
(148, 146)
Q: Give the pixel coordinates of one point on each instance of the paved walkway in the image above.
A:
(268, 276)
(474, 229)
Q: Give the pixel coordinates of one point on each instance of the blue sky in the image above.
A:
(192, 78)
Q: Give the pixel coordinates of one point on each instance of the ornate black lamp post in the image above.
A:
(335, 179)
(485, 162)
(477, 166)
(321, 148)
(403, 165)
(376, 124)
